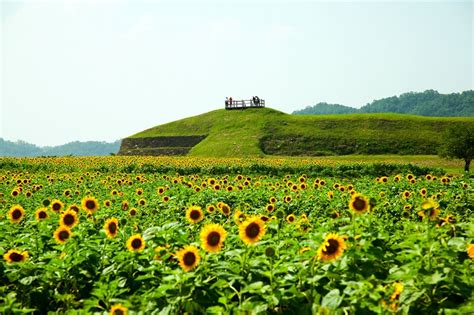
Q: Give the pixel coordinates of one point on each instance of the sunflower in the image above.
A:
(74, 208)
(69, 219)
(62, 234)
(211, 208)
(397, 290)
(212, 237)
(136, 243)
(14, 256)
(118, 309)
(272, 200)
(252, 230)
(142, 202)
(111, 227)
(90, 204)
(430, 209)
(16, 213)
(287, 199)
(332, 247)
(188, 257)
(125, 205)
(41, 213)
(15, 192)
(239, 217)
(290, 218)
(423, 192)
(132, 212)
(225, 209)
(470, 250)
(330, 194)
(359, 203)
(56, 205)
(160, 190)
(270, 207)
(194, 214)
(139, 191)
(107, 203)
(166, 198)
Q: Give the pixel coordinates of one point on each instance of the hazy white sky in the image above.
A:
(105, 69)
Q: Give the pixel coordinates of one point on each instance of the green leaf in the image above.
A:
(434, 278)
(332, 299)
(458, 244)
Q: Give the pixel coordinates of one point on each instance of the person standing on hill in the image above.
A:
(230, 101)
(257, 100)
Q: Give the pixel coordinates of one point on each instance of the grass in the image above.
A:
(259, 132)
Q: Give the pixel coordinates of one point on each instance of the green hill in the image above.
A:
(257, 132)
(427, 103)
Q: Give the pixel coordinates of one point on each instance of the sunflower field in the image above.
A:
(134, 235)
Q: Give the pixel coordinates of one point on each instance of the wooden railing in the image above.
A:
(240, 104)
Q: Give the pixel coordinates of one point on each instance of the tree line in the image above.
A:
(75, 148)
(427, 103)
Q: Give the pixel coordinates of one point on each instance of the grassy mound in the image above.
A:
(258, 132)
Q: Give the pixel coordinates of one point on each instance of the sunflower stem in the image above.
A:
(102, 258)
(354, 230)
(428, 241)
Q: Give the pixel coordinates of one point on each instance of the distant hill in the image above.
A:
(265, 131)
(76, 148)
(427, 103)
(326, 109)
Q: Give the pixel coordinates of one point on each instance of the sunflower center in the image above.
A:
(16, 214)
(136, 243)
(42, 215)
(213, 238)
(189, 259)
(90, 204)
(112, 227)
(56, 206)
(359, 204)
(69, 219)
(291, 219)
(63, 235)
(118, 312)
(332, 247)
(252, 230)
(16, 257)
(194, 215)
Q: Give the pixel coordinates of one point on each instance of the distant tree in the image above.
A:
(459, 144)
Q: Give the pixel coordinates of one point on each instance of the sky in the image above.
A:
(106, 69)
